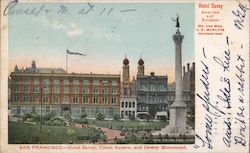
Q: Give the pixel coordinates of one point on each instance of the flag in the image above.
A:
(75, 53)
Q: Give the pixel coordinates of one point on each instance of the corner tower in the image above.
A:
(125, 71)
(140, 67)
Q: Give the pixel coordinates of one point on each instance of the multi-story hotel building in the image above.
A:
(56, 90)
(151, 92)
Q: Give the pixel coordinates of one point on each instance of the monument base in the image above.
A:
(178, 116)
(177, 123)
(174, 131)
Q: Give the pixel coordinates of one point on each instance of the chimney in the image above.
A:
(193, 67)
(187, 66)
(16, 68)
(33, 65)
(184, 70)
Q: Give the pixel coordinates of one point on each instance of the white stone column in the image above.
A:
(178, 66)
(178, 108)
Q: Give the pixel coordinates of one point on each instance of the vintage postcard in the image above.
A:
(124, 76)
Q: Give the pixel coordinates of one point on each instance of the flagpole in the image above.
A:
(66, 61)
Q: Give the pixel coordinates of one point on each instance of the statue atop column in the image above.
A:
(177, 21)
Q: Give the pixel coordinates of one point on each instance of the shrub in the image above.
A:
(48, 116)
(81, 121)
(47, 122)
(83, 115)
(29, 120)
(116, 117)
(100, 117)
(31, 117)
(56, 121)
(66, 115)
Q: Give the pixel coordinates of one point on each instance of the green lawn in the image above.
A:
(119, 125)
(22, 133)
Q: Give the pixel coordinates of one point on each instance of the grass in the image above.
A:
(120, 125)
(22, 133)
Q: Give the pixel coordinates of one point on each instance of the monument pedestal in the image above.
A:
(177, 122)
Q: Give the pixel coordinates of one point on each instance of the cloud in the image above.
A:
(50, 22)
(104, 33)
(74, 30)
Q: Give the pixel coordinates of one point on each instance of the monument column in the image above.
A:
(178, 108)
(177, 122)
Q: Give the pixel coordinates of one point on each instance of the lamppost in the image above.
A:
(41, 104)
(41, 107)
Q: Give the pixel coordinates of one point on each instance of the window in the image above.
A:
(85, 99)
(45, 81)
(26, 81)
(85, 81)
(129, 104)
(85, 90)
(113, 100)
(56, 99)
(114, 82)
(45, 89)
(26, 88)
(16, 98)
(56, 89)
(96, 82)
(25, 98)
(152, 87)
(114, 91)
(104, 100)
(95, 91)
(122, 104)
(126, 104)
(45, 99)
(105, 91)
(122, 112)
(56, 81)
(66, 89)
(76, 82)
(35, 89)
(76, 90)
(75, 99)
(36, 81)
(82, 109)
(65, 81)
(65, 99)
(15, 89)
(95, 100)
(133, 105)
(35, 98)
(105, 82)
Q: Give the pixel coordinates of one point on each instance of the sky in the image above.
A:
(106, 34)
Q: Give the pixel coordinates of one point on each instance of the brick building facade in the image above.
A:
(58, 91)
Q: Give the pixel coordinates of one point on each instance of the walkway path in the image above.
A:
(110, 133)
